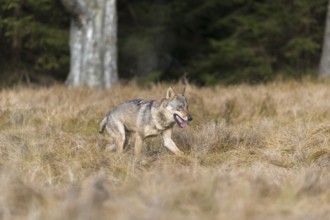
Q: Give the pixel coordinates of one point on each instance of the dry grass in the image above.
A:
(253, 152)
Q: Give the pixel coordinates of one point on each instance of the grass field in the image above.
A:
(252, 152)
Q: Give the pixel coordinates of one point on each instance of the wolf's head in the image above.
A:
(177, 106)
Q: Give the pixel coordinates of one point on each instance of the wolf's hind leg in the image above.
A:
(110, 145)
(119, 137)
(116, 132)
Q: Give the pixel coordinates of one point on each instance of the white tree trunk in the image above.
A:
(93, 43)
(324, 71)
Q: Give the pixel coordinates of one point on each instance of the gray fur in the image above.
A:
(145, 118)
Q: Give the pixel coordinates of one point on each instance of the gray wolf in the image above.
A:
(145, 118)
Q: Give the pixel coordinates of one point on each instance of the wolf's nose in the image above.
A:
(189, 118)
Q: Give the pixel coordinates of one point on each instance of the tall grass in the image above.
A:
(252, 152)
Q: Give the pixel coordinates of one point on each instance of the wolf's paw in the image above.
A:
(179, 153)
(111, 147)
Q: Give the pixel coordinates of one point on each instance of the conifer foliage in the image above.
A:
(212, 41)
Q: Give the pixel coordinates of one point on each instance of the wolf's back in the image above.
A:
(103, 123)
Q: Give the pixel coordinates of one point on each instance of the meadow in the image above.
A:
(251, 152)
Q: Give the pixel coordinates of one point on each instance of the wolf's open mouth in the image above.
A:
(182, 123)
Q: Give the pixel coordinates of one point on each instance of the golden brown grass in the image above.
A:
(253, 152)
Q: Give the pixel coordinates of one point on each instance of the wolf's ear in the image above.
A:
(170, 93)
(183, 90)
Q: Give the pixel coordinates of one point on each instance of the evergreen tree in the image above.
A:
(213, 41)
(34, 36)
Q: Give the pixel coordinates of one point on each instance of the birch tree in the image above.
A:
(324, 71)
(93, 42)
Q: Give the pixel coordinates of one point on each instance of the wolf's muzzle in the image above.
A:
(189, 117)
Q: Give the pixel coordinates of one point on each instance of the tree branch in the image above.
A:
(77, 9)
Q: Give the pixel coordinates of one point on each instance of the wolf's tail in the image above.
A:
(103, 124)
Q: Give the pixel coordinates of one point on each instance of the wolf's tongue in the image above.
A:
(183, 124)
(180, 121)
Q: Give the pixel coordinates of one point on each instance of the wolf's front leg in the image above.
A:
(138, 144)
(169, 143)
